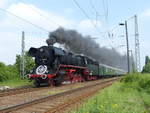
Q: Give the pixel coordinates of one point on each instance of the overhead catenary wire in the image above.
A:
(105, 2)
(83, 11)
(95, 10)
(27, 21)
(105, 15)
(46, 18)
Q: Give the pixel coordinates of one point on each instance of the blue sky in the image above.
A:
(68, 15)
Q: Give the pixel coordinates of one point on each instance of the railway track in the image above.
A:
(18, 91)
(57, 102)
(26, 89)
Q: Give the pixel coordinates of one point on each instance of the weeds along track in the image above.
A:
(60, 101)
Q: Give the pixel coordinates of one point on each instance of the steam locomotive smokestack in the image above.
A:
(80, 44)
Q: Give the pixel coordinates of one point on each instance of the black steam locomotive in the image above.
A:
(55, 66)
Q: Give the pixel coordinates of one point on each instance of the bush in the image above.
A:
(7, 72)
(3, 72)
(144, 83)
(130, 78)
(146, 68)
(137, 81)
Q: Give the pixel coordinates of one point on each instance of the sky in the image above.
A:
(98, 18)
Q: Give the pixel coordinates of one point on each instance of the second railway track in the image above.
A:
(18, 91)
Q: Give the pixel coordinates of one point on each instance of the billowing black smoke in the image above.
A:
(79, 44)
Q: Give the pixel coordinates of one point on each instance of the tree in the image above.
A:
(2, 71)
(147, 60)
(29, 62)
(146, 68)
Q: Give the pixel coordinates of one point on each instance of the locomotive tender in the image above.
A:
(55, 65)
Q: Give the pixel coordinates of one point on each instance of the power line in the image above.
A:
(24, 20)
(96, 12)
(105, 8)
(42, 15)
(83, 11)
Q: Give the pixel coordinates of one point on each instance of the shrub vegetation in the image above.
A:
(130, 95)
(10, 74)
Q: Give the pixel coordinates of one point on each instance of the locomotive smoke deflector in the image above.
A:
(33, 51)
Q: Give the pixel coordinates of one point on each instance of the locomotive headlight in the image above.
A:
(41, 69)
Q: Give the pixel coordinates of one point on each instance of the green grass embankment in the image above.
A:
(130, 95)
(17, 82)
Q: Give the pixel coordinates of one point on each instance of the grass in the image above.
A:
(17, 82)
(130, 95)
